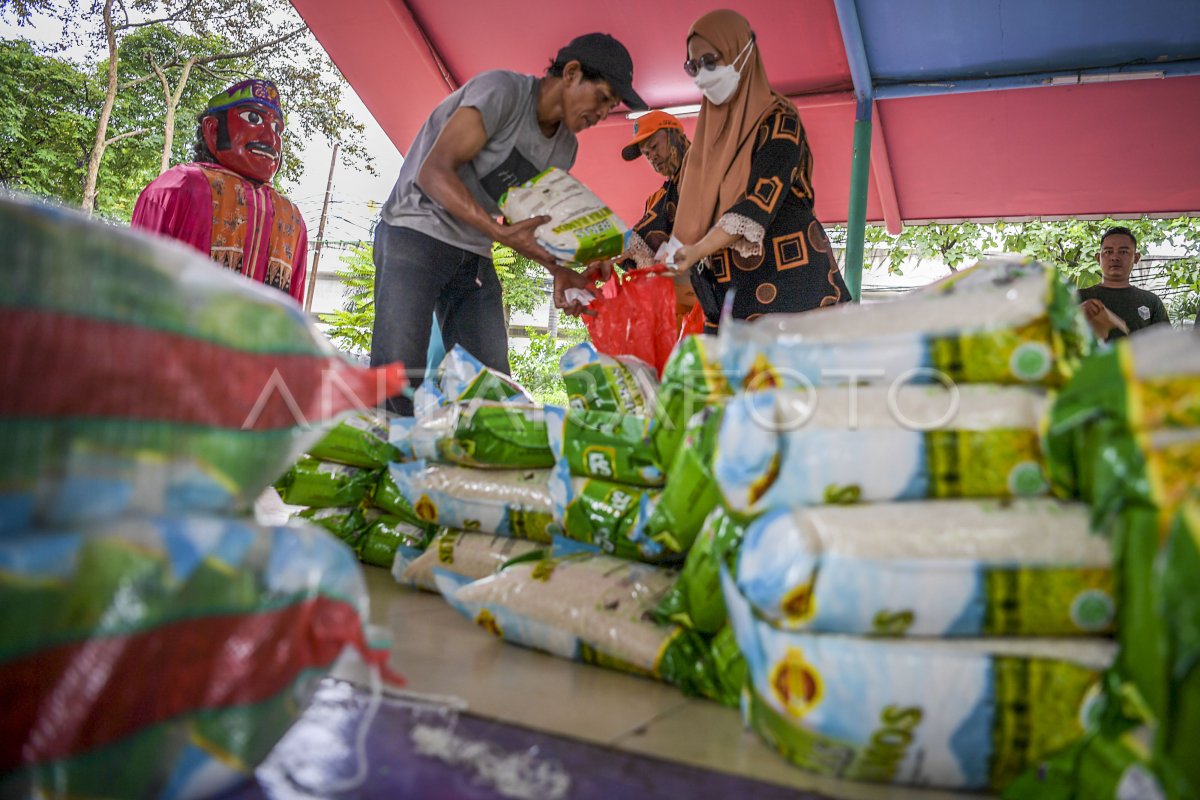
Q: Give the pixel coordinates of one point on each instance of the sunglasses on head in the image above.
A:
(707, 61)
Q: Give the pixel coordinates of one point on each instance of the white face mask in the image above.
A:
(720, 83)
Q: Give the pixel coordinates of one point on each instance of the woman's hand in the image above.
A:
(686, 257)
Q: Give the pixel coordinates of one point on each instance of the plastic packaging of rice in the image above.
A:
(513, 503)
(603, 444)
(469, 556)
(695, 601)
(598, 382)
(1005, 320)
(1177, 574)
(347, 524)
(692, 493)
(220, 384)
(387, 538)
(966, 714)
(930, 568)
(320, 484)
(603, 516)
(358, 441)
(164, 657)
(873, 443)
(591, 608)
(464, 377)
(692, 380)
(483, 433)
(582, 229)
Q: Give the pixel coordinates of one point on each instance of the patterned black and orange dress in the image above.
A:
(784, 262)
(654, 228)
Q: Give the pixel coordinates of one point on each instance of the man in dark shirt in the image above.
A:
(1113, 307)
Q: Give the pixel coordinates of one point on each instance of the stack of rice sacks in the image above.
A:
(146, 621)
(910, 608)
(475, 464)
(343, 485)
(1124, 435)
(590, 596)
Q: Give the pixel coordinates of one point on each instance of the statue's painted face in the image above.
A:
(255, 141)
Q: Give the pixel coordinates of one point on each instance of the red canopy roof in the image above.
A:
(1105, 148)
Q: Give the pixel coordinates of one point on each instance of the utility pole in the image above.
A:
(312, 275)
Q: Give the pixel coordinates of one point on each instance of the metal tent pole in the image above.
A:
(860, 74)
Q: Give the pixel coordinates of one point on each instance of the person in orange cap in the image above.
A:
(660, 138)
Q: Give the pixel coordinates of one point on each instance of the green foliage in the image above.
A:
(223, 41)
(45, 126)
(536, 367)
(350, 327)
(1071, 244)
(522, 280)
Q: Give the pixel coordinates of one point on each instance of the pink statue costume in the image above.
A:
(223, 203)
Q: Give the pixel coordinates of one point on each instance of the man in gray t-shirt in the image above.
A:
(433, 244)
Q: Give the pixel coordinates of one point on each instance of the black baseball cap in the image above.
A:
(602, 53)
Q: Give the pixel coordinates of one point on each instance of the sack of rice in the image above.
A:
(388, 538)
(470, 556)
(930, 568)
(504, 502)
(874, 443)
(692, 380)
(387, 497)
(691, 492)
(464, 377)
(1177, 604)
(1005, 320)
(1152, 470)
(607, 445)
(695, 601)
(582, 229)
(1098, 766)
(321, 484)
(359, 441)
(591, 608)
(165, 656)
(604, 515)
(597, 382)
(963, 714)
(484, 434)
(220, 383)
(346, 523)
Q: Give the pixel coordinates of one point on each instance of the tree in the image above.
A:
(536, 367)
(522, 281)
(350, 328)
(44, 121)
(150, 49)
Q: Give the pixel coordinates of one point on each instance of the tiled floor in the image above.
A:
(441, 653)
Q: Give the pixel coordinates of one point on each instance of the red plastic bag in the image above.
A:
(693, 322)
(635, 316)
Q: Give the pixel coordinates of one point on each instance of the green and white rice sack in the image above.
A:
(582, 229)
(599, 382)
(591, 608)
(506, 502)
(468, 555)
(322, 484)
(1005, 320)
(484, 434)
(389, 537)
(359, 441)
(930, 568)
(967, 714)
(873, 443)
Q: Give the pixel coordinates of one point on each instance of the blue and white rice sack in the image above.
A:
(930, 568)
(785, 448)
(962, 714)
(503, 502)
(1007, 319)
